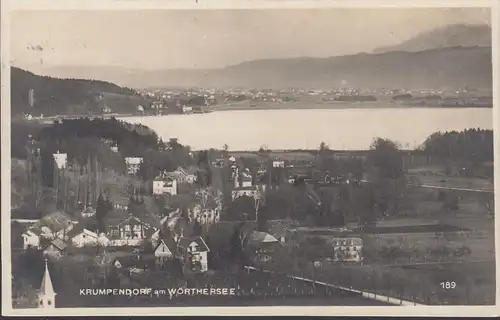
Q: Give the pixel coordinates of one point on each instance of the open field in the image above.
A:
(456, 182)
(475, 281)
(422, 283)
(425, 252)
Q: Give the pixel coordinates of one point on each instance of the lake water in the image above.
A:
(349, 129)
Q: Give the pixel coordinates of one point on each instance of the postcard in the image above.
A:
(249, 157)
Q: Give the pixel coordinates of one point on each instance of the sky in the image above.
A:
(174, 39)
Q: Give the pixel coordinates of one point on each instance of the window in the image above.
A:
(41, 302)
(49, 302)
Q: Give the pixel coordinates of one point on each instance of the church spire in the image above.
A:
(46, 295)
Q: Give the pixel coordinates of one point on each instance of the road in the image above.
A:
(445, 188)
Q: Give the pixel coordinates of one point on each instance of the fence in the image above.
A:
(367, 295)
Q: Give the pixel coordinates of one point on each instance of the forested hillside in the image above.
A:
(60, 96)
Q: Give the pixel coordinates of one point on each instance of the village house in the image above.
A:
(103, 240)
(260, 245)
(347, 249)
(187, 109)
(166, 223)
(184, 175)
(204, 215)
(81, 237)
(60, 160)
(127, 263)
(53, 225)
(245, 191)
(164, 251)
(133, 164)
(31, 238)
(194, 253)
(279, 229)
(156, 237)
(165, 185)
(130, 231)
(55, 249)
(88, 212)
(241, 178)
(278, 163)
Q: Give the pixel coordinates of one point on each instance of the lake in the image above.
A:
(349, 129)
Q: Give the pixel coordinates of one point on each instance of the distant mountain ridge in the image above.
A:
(436, 68)
(456, 35)
(55, 96)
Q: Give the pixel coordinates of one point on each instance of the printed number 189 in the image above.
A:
(448, 285)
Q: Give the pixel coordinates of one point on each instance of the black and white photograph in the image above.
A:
(221, 155)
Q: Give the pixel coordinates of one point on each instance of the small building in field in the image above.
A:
(194, 253)
(347, 249)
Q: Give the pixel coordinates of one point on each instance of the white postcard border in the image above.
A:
(9, 5)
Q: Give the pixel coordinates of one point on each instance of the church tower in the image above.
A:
(46, 296)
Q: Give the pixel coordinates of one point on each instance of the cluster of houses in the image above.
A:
(57, 235)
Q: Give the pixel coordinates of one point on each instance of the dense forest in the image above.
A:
(58, 96)
(84, 138)
(472, 145)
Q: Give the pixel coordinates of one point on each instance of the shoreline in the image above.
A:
(269, 106)
(316, 106)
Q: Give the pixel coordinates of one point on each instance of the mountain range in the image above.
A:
(451, 56)
(455, 35)
(436, 68)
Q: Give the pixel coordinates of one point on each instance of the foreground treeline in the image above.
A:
(473, 145)
(93, 166)
(88, 146)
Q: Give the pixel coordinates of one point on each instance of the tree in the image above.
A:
(131, 202)
(386, 158)
(235, 248)
(197, 229)
(368, 216)
(102, 209)
(323, 147)
(262, 219)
